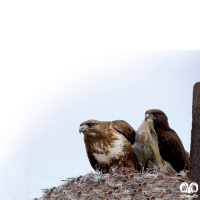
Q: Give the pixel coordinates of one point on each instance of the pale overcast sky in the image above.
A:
(46, 95)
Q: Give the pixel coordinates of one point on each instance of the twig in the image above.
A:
(171, 168)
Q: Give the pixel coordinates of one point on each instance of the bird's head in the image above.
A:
(158, 116)
(91, 127)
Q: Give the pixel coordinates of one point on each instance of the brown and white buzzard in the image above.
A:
(108, 144)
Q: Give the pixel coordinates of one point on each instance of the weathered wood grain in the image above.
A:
(195, 138)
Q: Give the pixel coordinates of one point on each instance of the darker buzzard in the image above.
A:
(170, 145)
(108, 144)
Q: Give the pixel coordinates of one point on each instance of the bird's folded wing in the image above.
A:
(125, 129)
(176, 144)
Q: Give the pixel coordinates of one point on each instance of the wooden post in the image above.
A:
(194, 174)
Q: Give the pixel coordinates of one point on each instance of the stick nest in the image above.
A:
(123, 183)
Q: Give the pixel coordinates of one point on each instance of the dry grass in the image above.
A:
(124, 183)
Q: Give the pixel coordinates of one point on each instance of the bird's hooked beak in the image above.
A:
(147, 116)
(80, 130)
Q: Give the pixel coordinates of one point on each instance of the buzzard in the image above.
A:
(108, 144)
(170, 145)
(146, 148)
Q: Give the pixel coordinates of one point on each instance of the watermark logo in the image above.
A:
(189, 190)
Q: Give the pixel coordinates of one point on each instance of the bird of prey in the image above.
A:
(146, 148)
(108, 144)
(170, 145)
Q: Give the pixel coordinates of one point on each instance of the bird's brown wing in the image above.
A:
(178, 156)
(125, 129)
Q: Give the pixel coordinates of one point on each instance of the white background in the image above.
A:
(64, 62)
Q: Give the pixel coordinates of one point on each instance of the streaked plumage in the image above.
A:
(108, 144)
